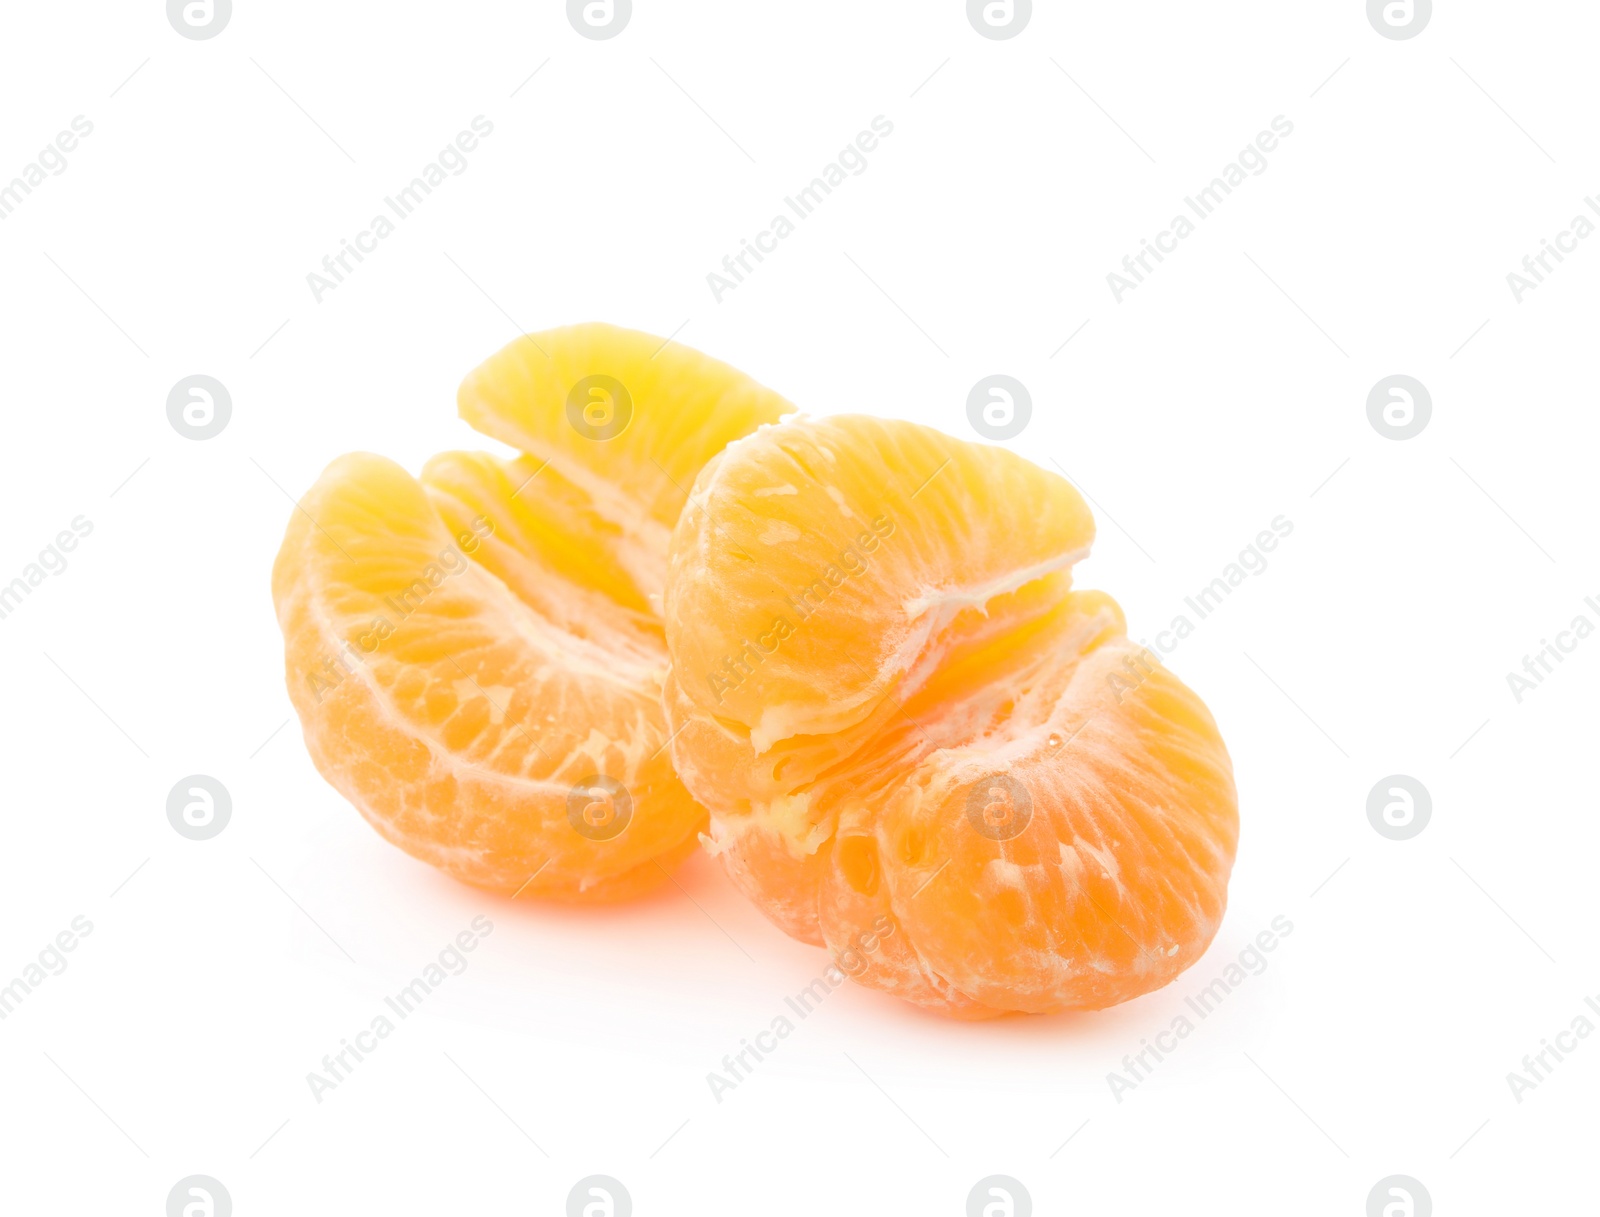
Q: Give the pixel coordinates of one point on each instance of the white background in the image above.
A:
(1229, 389)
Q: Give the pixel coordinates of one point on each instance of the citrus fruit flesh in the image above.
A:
(900, 713)
(477, 656)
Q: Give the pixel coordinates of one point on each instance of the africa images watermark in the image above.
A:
(1543, 662)
(451, 162)
(737, 1067)
(52, 159)
(1536, 266)
(1538, 1066)
(1252, 560)
(51, 560)
(1252, 162)
(452, 961)
(1252, 961)
(739, 667)
(51, 961)
(449, 562)
(852, 158)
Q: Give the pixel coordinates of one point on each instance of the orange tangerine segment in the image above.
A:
(1078, 862)
(482, 711)
(945, 764)
(805, 561)
(477, 658)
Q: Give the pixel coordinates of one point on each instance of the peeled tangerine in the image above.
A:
(477, 656)
(918, 744)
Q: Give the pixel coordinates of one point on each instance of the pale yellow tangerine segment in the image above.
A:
(679, 408)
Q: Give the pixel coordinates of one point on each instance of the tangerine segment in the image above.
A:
(477, 657)
(821, 564)
(484, 713)
(943, 736)
(627, 416)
